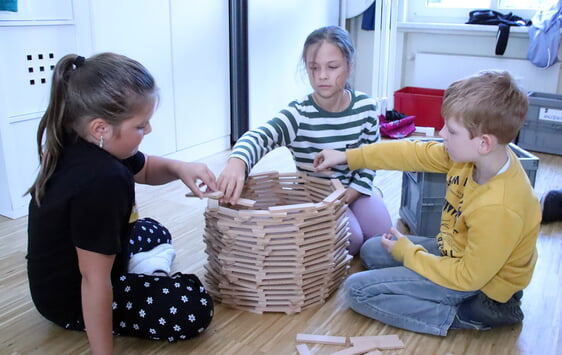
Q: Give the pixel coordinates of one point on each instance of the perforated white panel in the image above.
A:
(29, 54)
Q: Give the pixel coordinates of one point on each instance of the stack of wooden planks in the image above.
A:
(287, 252)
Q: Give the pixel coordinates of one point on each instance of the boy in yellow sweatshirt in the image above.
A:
(472, 274)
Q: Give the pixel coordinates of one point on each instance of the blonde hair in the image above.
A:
(490, 102)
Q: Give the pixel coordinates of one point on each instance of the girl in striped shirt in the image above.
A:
(334, 116)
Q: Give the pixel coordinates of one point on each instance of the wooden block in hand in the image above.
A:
(215, 195)
(312, 169)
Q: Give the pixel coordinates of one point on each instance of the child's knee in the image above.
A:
(370, 252)
(355, 242)
(349, 284)
(154, 230)
(355, 234)
(172, 308)
(355, 288)
(196, 309)
(146, 234)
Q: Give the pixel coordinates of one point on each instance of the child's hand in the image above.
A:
(231, 180)
(387, 239)
(198, 175)
(351, 195)
(328, 158)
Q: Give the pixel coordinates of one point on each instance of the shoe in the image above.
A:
(458, 323)
(394, 115)
(482, 313)
(551, 204)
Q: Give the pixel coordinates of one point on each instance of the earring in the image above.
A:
(101, 142)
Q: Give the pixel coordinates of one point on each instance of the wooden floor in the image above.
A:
(24, 331)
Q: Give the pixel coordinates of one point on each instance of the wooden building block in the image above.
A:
(246, 202)
(324, 173)
(295, 207)
(212, 205)
(303, 349)
(334, 195)
(356, 349)
(215, 195)
(336, 183)
(382, 342)
(321, 339)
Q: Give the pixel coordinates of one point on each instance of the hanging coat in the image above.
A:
(544, 36)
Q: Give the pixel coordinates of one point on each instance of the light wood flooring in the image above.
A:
(24, 331)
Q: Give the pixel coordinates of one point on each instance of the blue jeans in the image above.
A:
(398, 296)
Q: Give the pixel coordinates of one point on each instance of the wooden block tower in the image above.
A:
(286, 253)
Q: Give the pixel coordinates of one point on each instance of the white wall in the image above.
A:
(142, 33)
(200, 43)
(277, 30)
(184, 43)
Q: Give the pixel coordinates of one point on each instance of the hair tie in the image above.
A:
(79, 61)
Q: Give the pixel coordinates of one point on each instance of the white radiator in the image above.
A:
(438, 71)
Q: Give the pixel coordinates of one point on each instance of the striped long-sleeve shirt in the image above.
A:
(306, 129)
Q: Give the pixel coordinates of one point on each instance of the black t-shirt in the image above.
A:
(88, 203)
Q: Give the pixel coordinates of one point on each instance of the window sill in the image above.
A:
(456, 29)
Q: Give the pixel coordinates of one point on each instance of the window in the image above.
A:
(524, 4)
(457, 4)
(456, 11)
(488, 4)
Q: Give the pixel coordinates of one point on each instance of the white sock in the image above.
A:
(159, 258)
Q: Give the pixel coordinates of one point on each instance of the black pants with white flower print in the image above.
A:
(159, 307)
(155, 307)
(147, 233)
(169, 308)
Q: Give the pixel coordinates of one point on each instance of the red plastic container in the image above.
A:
(423, 103)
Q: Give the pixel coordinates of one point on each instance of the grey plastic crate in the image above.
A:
(542, 128)
(541, 137)
(540, 103)
(423, 195)
(421, 202)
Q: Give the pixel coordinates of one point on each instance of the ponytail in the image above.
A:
(51, 127)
